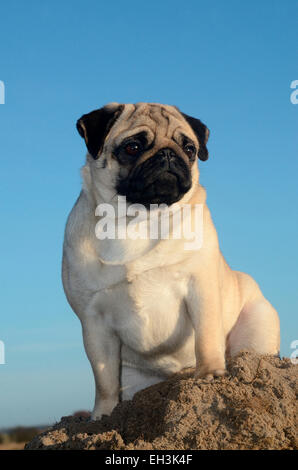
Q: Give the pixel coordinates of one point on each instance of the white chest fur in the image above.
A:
(150, 317)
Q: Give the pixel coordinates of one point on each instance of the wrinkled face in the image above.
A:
(151, 150)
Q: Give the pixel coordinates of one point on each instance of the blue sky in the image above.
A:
(230, 64)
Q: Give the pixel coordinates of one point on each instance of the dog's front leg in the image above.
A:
(204, 307)
(103, 350)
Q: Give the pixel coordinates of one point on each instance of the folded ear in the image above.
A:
(94, 126)
(202, 133)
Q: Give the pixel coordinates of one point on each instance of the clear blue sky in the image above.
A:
(230, 63)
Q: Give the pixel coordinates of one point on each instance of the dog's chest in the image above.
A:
(149, 313)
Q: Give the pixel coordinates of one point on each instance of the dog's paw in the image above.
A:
(210, 374)
(105, 407)
(95, 417)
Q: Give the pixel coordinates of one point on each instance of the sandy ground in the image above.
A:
(253, 407)
(13, 446)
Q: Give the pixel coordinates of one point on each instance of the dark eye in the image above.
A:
(190, 150)
(132, 148)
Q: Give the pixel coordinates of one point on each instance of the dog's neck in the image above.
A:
(117, 251)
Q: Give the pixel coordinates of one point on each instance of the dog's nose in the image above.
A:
(166, 153)
(166, 156)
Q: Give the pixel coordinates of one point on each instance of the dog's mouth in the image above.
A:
(156, 181)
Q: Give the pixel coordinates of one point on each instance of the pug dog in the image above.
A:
(149, 307)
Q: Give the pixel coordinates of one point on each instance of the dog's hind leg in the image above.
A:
(257, 329)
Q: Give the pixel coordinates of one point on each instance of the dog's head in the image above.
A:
(146, 152)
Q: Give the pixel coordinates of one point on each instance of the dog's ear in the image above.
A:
(202, 133)
(94, 126)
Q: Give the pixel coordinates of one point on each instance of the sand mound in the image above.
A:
(252, 408)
